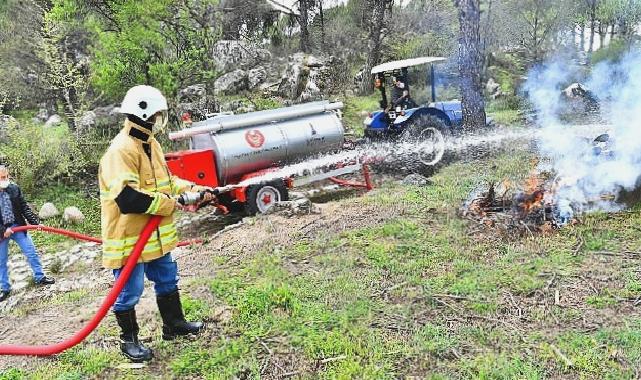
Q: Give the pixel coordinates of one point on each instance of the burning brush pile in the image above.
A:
(515, 210)
(527, 209)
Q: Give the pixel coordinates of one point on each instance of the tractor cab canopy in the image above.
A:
(398, 69)
(396, 66)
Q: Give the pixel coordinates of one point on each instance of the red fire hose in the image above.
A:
(109, 300)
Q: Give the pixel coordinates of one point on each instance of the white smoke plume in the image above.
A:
(587, 175)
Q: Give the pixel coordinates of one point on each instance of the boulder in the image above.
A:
(300, 206)
(48, 210)
(87, 120)
(196, 101)
(53, 120)
(232, 83)
(306, 78)
(229, 55)
(256, 77)
(42, 115)
(416, 180)
(492, 87)
(6, 121)
(578, 98)
(107, 117)
(73, 215)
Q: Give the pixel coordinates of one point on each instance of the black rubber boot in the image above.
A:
(174, 323)
(129, 344)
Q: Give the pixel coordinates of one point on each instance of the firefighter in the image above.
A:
(134, 184)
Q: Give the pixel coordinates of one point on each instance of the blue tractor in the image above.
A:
(402, 116)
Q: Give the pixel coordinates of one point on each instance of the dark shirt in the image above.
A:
(397, 95)
(21, 211)
(6, 208)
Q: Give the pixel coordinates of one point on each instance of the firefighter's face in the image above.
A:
(159, 120)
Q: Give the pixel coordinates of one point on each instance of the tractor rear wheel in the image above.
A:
(428, 136)
(261, 198)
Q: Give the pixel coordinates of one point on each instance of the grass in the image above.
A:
(355, 110)
(412, 296)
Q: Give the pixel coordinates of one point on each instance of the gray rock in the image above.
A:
(196, 101)
(87, 120)
(229, 55)
(108, 116)
(492, 87)
(42, 115)
(192, 93)
(257, 76)
(6, 121)
(416, 180)
(232, 83)
(301, 206)
(73, 215)
(53, 120)
(306, 77)
(48, 210)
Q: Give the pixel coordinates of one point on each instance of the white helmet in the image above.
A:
(143, 102)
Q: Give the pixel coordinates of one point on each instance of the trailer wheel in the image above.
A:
(261, 197)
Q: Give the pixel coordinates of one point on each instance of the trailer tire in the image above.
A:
(261, 197)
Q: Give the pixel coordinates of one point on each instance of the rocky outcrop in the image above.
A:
(232, 83)
(101, 117)
(53, 121)
(306, 78)
(229, 55)
(196, 101)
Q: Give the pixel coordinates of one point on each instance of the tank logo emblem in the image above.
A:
(254, 138)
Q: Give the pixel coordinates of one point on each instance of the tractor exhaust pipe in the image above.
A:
(254, 119)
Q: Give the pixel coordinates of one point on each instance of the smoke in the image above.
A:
(587, 172)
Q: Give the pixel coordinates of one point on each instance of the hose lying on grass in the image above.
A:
(53, 349)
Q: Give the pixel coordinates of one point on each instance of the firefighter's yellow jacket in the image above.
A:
(126, 164)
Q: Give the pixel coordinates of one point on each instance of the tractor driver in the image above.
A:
(135, 183)
(401, 93)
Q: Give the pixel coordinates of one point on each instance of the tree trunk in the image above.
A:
(488, 39)
(592, 25)
(303, 21)
(375, 26)
(470, 63)
(322, 22)
(582, 36)
(614, 25)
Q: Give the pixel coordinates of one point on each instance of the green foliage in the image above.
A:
(40, 156)
(612, 52)
(153, 42)
(355, 109)
(13, 373)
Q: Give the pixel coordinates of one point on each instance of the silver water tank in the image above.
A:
(244, 149)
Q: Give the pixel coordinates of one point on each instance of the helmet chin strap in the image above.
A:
(145, 124)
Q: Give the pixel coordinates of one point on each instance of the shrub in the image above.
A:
(39, 155)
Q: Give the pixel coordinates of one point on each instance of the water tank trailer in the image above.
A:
(227, 151)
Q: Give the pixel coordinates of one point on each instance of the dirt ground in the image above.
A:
(40, 310)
